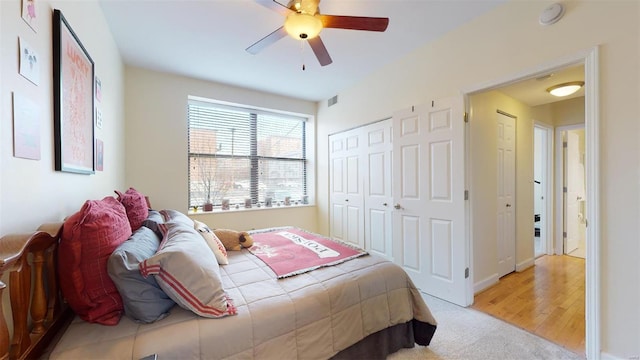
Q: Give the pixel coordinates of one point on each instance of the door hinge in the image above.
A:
(564, 234)
(466, 194)
(564, 189)
(565, 144)
(466, 273)
(586, 223)
(466, 117)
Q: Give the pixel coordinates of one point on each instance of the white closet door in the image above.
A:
(346, 198)
(377, 188)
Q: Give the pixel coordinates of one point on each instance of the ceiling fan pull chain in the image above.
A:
(302, 55)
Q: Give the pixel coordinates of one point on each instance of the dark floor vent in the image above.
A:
(332, 101)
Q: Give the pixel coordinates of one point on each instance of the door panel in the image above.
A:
(575, 191)
(377, 189)
(346, 197)
(428, 215)
(506, 161)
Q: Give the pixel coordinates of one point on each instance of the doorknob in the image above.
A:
(397, 206)
(385, 204)
(347, 200)
(508, 205)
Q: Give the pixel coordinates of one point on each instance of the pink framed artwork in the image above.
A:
(73, 100)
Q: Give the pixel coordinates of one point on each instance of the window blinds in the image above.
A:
(239, 154)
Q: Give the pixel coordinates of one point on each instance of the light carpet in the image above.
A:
(466, 334)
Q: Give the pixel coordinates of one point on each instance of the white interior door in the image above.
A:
(539, 186)
(506, 133)
(346, 198)
(377, 188)
(575, 191)
(428, 190)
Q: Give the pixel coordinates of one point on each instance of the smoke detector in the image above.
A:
(551, 14)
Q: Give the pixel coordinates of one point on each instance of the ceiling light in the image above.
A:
(302, 26)
(565, 89)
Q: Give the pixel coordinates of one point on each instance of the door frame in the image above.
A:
(590, 59)
(547, 189)
(558, 241)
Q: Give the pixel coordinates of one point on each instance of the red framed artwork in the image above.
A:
(73, 100)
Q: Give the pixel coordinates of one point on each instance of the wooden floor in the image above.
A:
(547, 300)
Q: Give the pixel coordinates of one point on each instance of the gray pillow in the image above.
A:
(153, 220)
(143, 299)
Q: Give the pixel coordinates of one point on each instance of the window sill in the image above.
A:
(240, 209)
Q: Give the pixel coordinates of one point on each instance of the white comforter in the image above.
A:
(312, 315)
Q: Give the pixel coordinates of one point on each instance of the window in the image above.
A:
(238, 153)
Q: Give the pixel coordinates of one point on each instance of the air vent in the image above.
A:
(332, 101)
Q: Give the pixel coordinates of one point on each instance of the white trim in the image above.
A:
(592, 137)
(522, 266)
(485, 283)
(588, 57)
(607, 356)
(469, 285)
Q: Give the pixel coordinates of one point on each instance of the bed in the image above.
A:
(366, 307)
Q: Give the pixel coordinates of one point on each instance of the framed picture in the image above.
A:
(73, 100)
(26, 128)
(29, 62)
(29, 13)
(99, 155)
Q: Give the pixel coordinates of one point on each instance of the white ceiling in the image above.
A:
(207, 39)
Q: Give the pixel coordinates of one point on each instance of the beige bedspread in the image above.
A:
(309, 316)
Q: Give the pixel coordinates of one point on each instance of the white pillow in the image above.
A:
(187, 273)
(212, 240)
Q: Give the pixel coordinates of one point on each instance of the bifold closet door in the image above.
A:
(378, 200)
(346, 194)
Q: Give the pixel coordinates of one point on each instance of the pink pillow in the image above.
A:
(136, 205)
(88, 239)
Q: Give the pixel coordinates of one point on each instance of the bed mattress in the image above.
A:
(311, 315)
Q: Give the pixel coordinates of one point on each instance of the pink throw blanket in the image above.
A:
(290, 251)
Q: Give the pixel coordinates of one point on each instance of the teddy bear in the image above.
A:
(234, 240)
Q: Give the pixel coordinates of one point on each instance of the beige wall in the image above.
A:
(31, 192)
(509, 41)
(568, 112)
(483, 187)
(156, 143)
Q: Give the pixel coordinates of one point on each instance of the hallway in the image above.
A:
(547, 299)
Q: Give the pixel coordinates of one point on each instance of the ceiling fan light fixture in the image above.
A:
(302, 26)
(565, 89)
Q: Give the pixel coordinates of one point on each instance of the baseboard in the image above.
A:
(525, 264)
(607, 356)
(486, 283)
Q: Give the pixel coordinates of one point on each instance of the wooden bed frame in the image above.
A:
(38, 312)
(40, 315)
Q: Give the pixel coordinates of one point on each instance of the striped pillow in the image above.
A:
(187, 273)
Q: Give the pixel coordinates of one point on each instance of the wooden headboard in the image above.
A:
(37, 308)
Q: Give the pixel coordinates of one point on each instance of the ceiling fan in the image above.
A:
(304, 22)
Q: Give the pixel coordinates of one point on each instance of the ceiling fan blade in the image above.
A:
(267, 40)
(275, 6)
(354, 22)
(320, 50)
